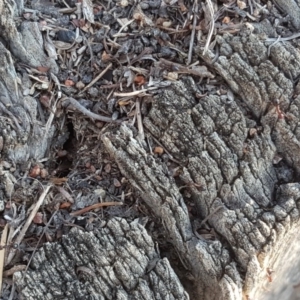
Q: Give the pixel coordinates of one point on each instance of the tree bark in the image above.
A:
(118, 261)
(234, 156)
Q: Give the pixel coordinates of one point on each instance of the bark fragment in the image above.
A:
(118, 261)
(234, 172)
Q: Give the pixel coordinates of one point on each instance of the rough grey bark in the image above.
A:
(23, 136)
(118, 261)
(231, 178)
(226, 151)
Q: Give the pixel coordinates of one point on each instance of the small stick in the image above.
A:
(44, 230)
(28, 222)
(282, 39)
(121, 29)
(13, 270)
(213, 212)
(2, 253)
(94, 206)
(139, 119)
(88, 113)
(212, 25)
(86, 270)
(195, 8)
(274, 43)
(96, 79)
(135, 93)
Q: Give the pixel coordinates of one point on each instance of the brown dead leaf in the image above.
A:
(117, 183)
(65, 205)
(44, 173)
(105, 57)
(69, 82)
(139, 80)
(158, 150)
(45, 99)
(182, 6)
(226, 20)
(107, 168)
(58, 181)
(35, 171)
(81, 23)
(124, 102)
(38, 218)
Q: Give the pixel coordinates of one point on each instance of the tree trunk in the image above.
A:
(234, 156)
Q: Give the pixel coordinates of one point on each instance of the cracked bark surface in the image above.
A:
(226, 149)
(19, 128)
(250, 202)
(118, 261)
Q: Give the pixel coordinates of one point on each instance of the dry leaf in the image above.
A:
(241, 4)
(138, 15)
(226, 20)
(35, 171)
(44, 173)
(117, 183)
(139, 80)
(182, 6)
(62, 45)
(107, 168)
(158, 150)
(45, 100)
(69, 82)
(38, 218)
(124, 102)
(105, 57)
(65, 205)
(172, 76)
(58, 181)
(87, 9)
(167, 24)
(65, 194)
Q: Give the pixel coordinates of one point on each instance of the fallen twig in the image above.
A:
(135, 93)
(28, 222)
(94, 206)
(96, 78)
(13, 270)
(211, 25)
(88, 113)
(2, 253)
(283, 39)
(139, 119)
(195, 9)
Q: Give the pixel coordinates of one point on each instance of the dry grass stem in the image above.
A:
(195, 9)
(2, 253)
(13, 270)
(135, 93)
(28, 222)
(94, 206)
(139, 119)
(211, 25)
